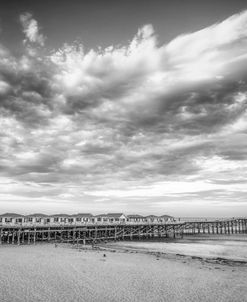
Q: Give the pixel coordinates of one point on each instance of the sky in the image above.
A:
(131, 106)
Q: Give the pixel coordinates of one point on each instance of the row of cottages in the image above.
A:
(79, 219)
(42, 219)
(61, 219)
(149, 219)
(111, 218)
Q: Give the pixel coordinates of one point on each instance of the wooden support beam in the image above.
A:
(96, 233)
(49, 234)
(73, 236)
(22, 236)
(115, 233)
(1, 235)
(13, 237)
(19, 237)
(34, 236)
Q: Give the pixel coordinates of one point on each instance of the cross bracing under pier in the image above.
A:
(108, 232)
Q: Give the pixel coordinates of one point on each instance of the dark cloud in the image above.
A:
(125, 122)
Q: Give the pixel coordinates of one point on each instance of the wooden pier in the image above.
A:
(111, 232)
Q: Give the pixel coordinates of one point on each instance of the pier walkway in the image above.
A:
(90, 233)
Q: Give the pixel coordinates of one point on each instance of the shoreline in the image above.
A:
(134, 246)
(171, 256)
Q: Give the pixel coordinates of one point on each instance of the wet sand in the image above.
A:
(49, 274)
(229, 248)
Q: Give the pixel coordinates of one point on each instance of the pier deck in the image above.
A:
(90, 233)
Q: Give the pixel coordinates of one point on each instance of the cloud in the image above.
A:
(129, 122)
(31, 29)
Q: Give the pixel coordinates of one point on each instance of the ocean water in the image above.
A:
(228, 247)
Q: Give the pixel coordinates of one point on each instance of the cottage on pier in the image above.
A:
(83, 218)
(61, 218)
(136, 218)
(11, 219)
(111, 218)
(37, 218)
(165, 218)
(117, 217)
(152, 219)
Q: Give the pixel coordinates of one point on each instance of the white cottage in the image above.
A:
(83, 218)
(116, 217)
(101, 218)
(111, 218)
(11, 219)
(165, 219)
(152, 219)
(136, 218)
(37, 218)
(61, 219)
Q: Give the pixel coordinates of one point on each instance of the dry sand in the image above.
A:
(49, 274)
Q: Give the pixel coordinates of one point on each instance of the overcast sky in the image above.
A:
(131, 106)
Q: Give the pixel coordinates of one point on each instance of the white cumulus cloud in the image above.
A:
(31, 29)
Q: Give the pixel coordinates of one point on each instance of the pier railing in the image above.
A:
(84, 223)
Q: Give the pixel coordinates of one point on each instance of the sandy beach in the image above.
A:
(47, 273)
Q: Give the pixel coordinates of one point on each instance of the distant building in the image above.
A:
(111, 218)
(152, 219)
(11, 218)
(61, 219)
(165, 218)
(37, 218)
(80, 219)
(136, 218)
(101, 218)
(117, 217)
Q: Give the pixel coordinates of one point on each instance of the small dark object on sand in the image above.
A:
(104, 255)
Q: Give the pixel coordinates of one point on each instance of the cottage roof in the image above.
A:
(151, 216)
(60, 215)
(115, 215)
(12, 215)
(37, 215)
(101, 215)
(135, 216)
(82, 215)
(165, 216)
